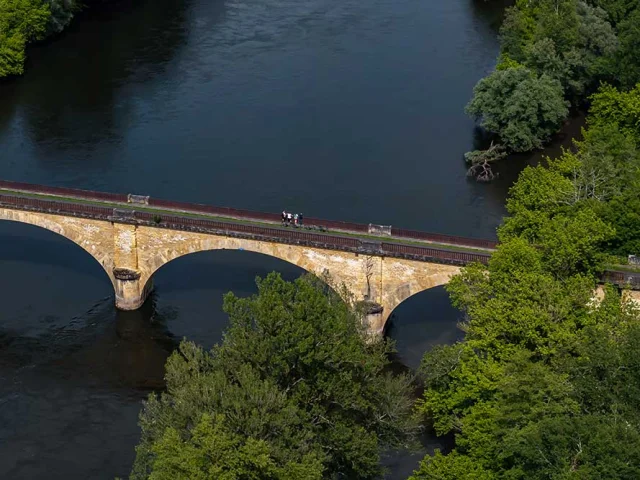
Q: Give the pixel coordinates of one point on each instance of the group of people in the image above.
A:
(289, 218)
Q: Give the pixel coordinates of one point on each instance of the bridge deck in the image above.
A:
(176, 220)
(243, 223)
(226, 213)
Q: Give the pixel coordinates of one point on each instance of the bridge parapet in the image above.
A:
(622, 279)
(258, 232)
(241, 214)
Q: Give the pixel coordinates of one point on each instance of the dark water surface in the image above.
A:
(343, 109)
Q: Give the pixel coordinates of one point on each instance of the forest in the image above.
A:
(545, 383)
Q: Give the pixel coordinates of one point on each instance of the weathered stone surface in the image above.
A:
(390, 280)
(142, 250)
(627, 296)
(632, 296)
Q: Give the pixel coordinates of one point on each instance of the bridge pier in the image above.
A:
(374, 317)
(130, 282)
(130, 292)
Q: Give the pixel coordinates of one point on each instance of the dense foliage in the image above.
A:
(25, 21)
(296, 390)
(600, 179)
(21, 21)
(554, 54)
(546, 382)
(525, 108)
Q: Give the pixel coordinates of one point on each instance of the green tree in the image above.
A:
(592, 189)
(525, 404)
(516, 32)
(617, 10)
(582, 447)
(523, 109)
(613, 107)
(295, 370)
(627, 64)
(450, 467)
(21, 21)
(213, 452)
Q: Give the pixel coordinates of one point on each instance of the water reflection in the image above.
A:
(490, 12)
(82, 104)
(421, 322)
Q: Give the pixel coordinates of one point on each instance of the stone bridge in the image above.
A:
(132, 237)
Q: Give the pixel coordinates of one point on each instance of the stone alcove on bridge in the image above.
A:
(132, 237)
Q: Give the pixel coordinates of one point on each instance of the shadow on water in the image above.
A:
(70, 396)
(103, 347)
(416, 326)
(190, 289)
(421, 322)
(120, 46)
(29, 247)
(491, 12)
(509, 169)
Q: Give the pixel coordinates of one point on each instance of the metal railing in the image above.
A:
(284, 235)
(241, 214)
(63, 192)
(623, 279)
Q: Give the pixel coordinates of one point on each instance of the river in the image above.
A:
(343, 109)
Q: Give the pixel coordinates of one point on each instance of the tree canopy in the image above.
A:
(21, 21)
(296, 385)
(554, 50)
(25, 21)
(523, 108)
(543, 383)
(546, 383)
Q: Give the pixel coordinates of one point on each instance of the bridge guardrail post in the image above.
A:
(138, 199)
(381, 230)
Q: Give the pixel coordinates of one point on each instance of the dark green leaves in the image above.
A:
(295, 382)
(523, 109)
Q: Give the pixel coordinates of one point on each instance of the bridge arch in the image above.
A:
(384, 280)
(86, 233)
(418, 283)
(156, 252)
(131, 253)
